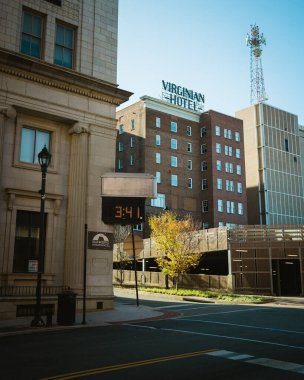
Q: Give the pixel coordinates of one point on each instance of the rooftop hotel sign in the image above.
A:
(181, 96)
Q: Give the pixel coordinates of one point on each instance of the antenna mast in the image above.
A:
(257, 88)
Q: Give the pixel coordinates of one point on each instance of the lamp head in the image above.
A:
(44, 158)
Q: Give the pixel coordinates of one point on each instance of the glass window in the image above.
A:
(230, 168)
(160, 201)
(121, 129)
(204, 166)
(132, 125)
(120, 164)
(157, 158)
(228, 207)
(157, 139)
(238, 169)
(203, 131)
(174, 180)
(132, 142)
(174, 161)
(138, 227)
(218, 148)
(218, 165)
(158, 177)
(205, 206)
(226, 150)
(237, 136)
(32, 142)
(31, 37)
(64, 45)
(203, 148)
(189, 164)
(26, 246)
(286, 145)
(132, 159)
(240, 209)
(225, 133)
(229, 134)
(219, 184)
(221, 224)
(190, 183)
(173, 144)
(217, 130)
(230, 151)
(220, 205)
(157, 122)
(189, 131)
(120, 147)
(205, 225)
(238, 153)
(173, 126)
(204, 184)
(189, 147)
(239, 187)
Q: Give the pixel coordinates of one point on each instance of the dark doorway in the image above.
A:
(286, 277)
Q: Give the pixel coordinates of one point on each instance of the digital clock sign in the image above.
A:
(117, 210)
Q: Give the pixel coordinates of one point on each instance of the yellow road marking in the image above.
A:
(117, 367)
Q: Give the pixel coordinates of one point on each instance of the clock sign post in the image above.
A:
(123, 201)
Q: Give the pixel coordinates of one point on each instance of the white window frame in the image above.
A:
(219, 165)
(173, 144)
(174, 163)
(238, 153)
(158, 177)
(157, 158)
(189, 131)
(205, 206)
(217, 130)
(189, 164)
(218, 148)
(219, 183)
(157, 122)
(174, 180)
(240, 187)
(238, 170)
(189, 147)
(204, 166)
(220, 205)
(173, 126)
(157, 140)
(190, 183)
(160, 201)
(237, 136)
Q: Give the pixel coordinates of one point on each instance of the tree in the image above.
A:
(120, 235)
(177, 243)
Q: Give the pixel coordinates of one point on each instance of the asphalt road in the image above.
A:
(201, 341)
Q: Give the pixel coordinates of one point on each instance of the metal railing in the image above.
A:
(30, 291)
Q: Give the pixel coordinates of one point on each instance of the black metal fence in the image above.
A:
(30, 291)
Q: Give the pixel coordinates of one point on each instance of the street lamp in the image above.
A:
(44, 159)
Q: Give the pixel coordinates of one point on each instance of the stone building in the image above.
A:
(58, 66)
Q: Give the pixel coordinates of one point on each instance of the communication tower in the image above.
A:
(255, 40)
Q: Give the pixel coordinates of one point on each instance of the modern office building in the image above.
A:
(197, 158)
(274, 165)
(58, 64)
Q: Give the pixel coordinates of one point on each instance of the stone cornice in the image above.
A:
(50, 75)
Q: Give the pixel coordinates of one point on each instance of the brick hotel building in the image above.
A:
(197, 158)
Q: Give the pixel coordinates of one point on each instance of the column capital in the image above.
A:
(8, 111)
(79, 128)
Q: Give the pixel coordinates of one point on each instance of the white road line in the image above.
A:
(279, 364)
(219, 336)
(226, 312)
(272, 363)
(237, 325)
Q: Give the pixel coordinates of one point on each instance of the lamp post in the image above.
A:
(44, 159)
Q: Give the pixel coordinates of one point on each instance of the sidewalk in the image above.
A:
(123, 312)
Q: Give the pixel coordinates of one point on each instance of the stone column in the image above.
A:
(76, 207)
(6, 113)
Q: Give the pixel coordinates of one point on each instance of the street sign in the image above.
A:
(138, 245)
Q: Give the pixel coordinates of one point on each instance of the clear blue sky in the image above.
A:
(201, 45)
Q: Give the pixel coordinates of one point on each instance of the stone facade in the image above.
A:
(75, 107)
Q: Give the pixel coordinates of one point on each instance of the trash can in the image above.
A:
(66, 308)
